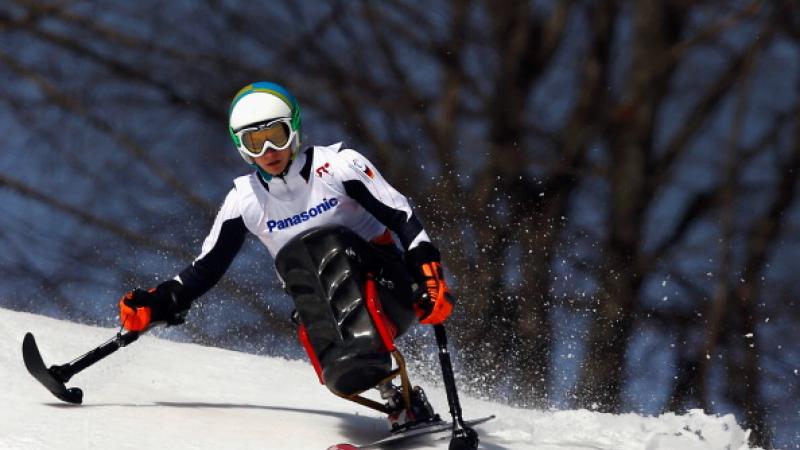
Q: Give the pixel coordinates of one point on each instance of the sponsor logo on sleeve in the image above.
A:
(304, 216)
(362, 166)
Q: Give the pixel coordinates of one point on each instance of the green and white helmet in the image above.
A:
(260, 103)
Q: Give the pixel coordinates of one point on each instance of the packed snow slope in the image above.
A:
(161, 394)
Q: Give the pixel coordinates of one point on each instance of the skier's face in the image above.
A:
(274, 162)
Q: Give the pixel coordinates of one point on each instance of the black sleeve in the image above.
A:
(207, 270)
(406, 227)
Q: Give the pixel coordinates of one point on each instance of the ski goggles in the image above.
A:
(275, 134)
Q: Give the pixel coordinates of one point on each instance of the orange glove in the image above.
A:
(140, 309)
(435, 302)
(133, 313)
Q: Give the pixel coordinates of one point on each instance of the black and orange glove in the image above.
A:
(435, 303)
(140, 309)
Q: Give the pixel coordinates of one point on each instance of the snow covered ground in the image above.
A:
(161, 394)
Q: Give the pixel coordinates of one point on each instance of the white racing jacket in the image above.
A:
(323, 186)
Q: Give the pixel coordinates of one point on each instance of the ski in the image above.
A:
(53, 378)
(47, 377)
(411, 433)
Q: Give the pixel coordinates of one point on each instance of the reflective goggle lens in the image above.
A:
(275, 134)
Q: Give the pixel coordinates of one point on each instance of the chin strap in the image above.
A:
(262, 173)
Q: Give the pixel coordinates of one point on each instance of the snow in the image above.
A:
(161, 394)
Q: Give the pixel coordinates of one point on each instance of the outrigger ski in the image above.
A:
(411, 433)
(48, 377)
(53, 378)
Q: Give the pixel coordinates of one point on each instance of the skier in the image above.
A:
(326, 215)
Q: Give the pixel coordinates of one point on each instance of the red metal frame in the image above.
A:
(302, 334)
(386, 328)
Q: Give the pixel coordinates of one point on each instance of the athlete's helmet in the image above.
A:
(260, 103)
